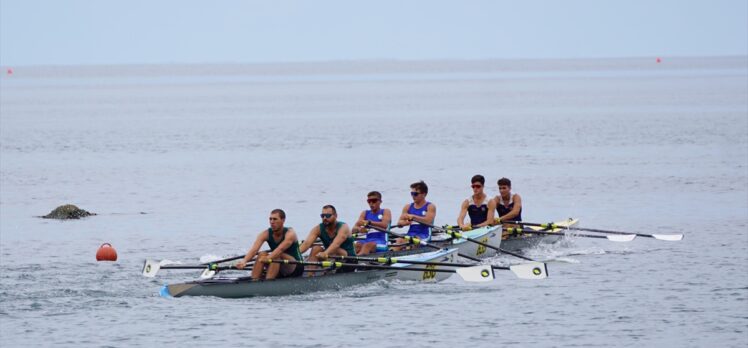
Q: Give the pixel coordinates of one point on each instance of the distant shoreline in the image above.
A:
(384, 66)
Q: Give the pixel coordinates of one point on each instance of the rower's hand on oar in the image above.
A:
(241, 264)
(322, 255)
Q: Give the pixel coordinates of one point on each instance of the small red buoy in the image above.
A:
(106, 253)
(658, 59)
(10, 71)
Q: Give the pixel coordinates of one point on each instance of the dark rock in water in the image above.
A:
(67, 211)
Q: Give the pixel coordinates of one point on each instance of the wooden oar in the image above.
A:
(610, 237)
(458, 235)
(479, 273)
(416, 240)
(551, 226)
(394, 260)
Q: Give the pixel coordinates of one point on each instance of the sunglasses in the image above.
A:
(372, 200)
(414, 193)
(325, 216)
(476, 186)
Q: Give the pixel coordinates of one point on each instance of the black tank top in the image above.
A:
(503, 210)
(478, 213)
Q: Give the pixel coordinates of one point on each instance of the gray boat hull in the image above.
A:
(245, 287)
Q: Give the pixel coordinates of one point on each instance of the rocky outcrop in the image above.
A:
(66, 212)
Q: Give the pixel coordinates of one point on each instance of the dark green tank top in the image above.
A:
(327, 240)
(293, 250)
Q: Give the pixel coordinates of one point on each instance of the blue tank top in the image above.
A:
(374, 234)
(416, 229)
(503, 210)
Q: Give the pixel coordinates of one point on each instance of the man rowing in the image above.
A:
(377, 217)
(418, 214)
(283, 245)
(507, 205)
(335, 235)
(476, 206)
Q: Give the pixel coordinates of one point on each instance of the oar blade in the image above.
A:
(150, 268)
(621, 237)
(207, 273)
(482, 273)
(668, 237)
(530, 270)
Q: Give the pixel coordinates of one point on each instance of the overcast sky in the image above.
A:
(36, 32)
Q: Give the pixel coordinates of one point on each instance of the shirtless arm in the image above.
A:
(261, 238)
(360, 223)
(404, 219)
(313, 235)
(283, 246)
(463, 212)
(491, 212)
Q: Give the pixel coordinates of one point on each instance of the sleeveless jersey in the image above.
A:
(418, 230)
(478, 213)
(374, 235)
(503, 210)
(292, 250)
(327, 240)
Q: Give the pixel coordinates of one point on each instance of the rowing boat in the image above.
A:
(244, 286)
(240, 287)
(527, 241)
(422, 255)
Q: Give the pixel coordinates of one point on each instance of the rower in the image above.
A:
(507, 205)
(283, 245)
(335, 235)
(377, 217)
(476, 206)
(419, 211)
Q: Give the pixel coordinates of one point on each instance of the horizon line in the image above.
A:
(369, 60)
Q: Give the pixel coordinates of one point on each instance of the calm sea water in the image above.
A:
(207, 151)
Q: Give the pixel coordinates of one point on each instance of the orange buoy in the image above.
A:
(106, 253)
